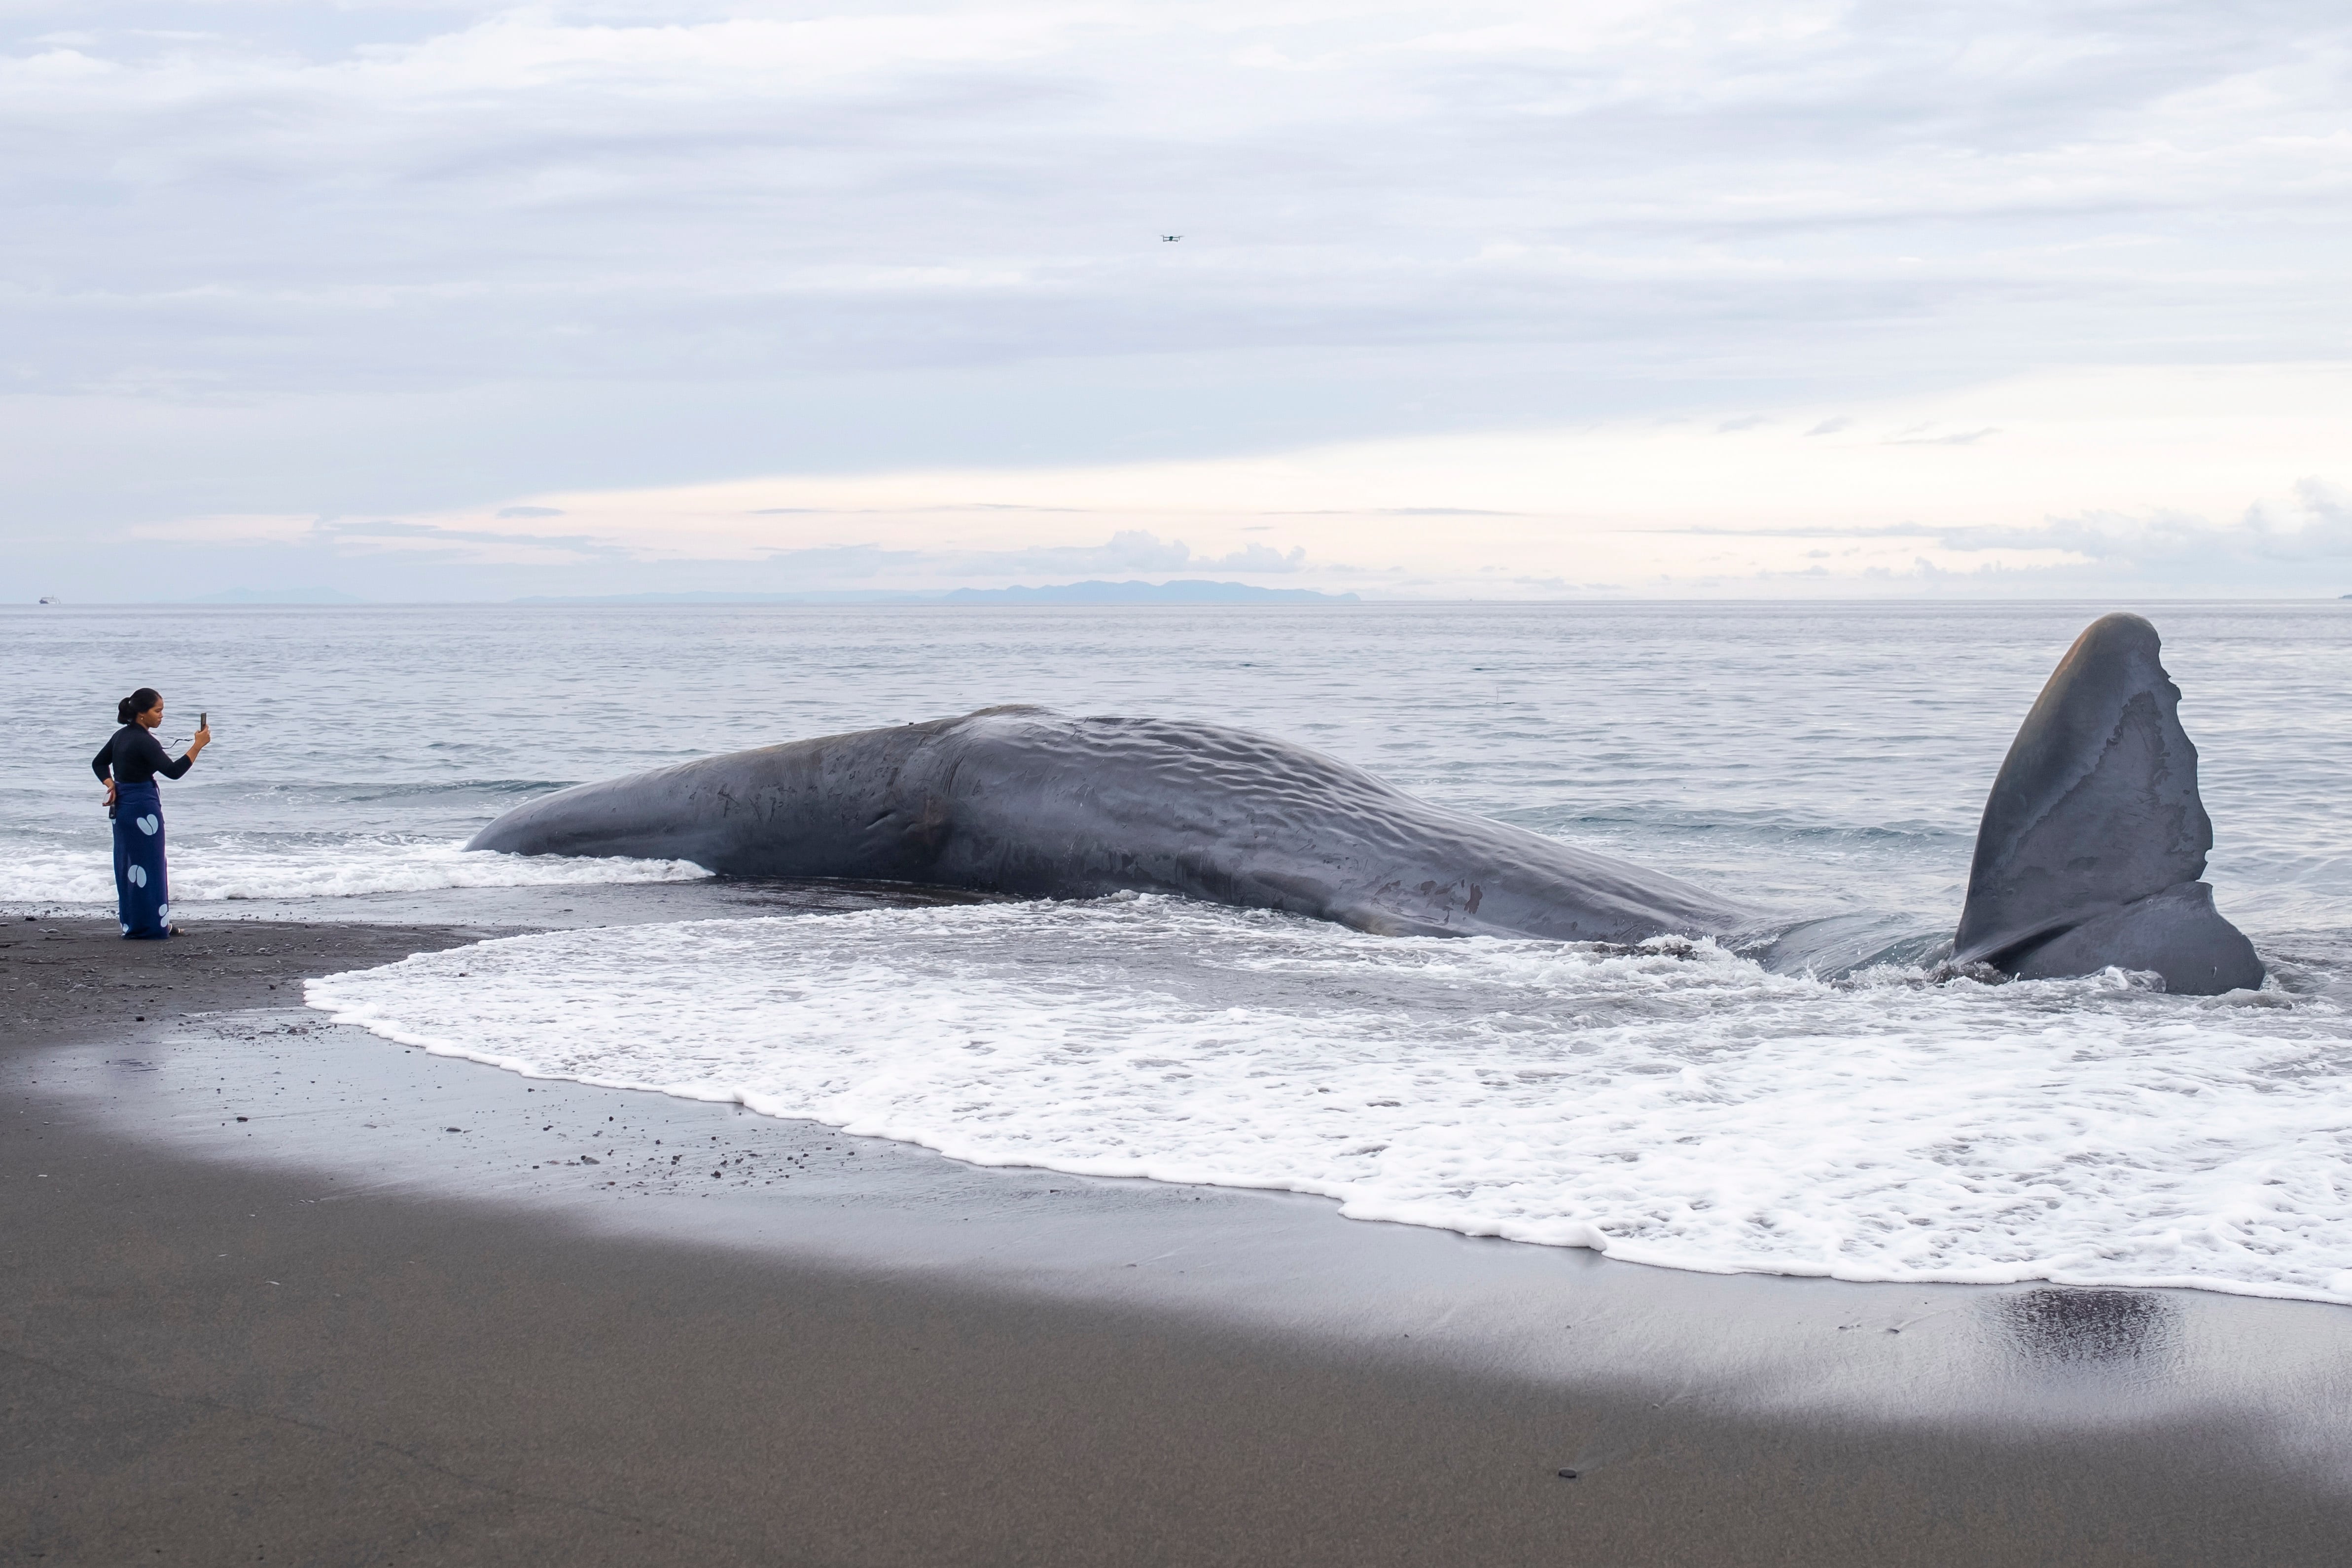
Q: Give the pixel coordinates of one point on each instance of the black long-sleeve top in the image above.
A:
(135, 756)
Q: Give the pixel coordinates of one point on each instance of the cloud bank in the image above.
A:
(405, 260)
(2076, 483)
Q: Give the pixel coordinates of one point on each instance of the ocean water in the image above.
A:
(1675, 1105)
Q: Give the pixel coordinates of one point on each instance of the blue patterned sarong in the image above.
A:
(142, 893)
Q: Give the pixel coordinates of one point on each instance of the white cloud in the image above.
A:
(694, 191)
(242, 529)
(2189, 480)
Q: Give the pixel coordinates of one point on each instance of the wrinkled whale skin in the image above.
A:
(2093, 843)
(2093, 839)
(1036, 804)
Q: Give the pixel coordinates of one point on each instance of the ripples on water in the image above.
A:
(1685, 1109)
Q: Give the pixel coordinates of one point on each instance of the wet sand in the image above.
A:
(278, 1291)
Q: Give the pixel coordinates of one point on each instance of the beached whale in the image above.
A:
(2093, 839)
(2089, 856)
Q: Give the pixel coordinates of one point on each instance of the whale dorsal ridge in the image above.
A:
(2095, 805)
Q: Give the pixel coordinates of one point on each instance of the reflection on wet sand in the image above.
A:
(2057, 1324)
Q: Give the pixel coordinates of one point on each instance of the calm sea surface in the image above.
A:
(1809, 753)
(1691, 1111)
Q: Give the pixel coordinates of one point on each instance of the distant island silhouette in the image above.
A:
(1131, 593)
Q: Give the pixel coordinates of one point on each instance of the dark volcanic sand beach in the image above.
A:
(277, 1292)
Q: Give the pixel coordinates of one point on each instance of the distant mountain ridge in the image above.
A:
(1189, 592)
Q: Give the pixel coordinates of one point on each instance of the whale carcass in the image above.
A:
(2089, 855)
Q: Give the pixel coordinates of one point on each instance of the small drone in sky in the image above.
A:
(1169, 239)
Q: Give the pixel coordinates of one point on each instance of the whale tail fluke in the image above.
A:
(2093, 839)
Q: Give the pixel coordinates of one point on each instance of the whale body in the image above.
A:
(1037, 803)
(2088, 856)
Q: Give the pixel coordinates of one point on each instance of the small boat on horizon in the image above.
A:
(51, 599)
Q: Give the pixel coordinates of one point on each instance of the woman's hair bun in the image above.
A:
(136, 704)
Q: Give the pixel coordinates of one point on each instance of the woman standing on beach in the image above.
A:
(127, 765)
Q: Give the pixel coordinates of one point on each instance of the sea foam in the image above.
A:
(1671, 1104)
(232, 867)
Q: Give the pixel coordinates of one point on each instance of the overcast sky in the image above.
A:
(450, 300)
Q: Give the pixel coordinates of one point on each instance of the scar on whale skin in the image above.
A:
(2093, 841)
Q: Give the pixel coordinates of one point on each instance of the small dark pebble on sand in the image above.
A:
(240, 1118)
(1567, 1475)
